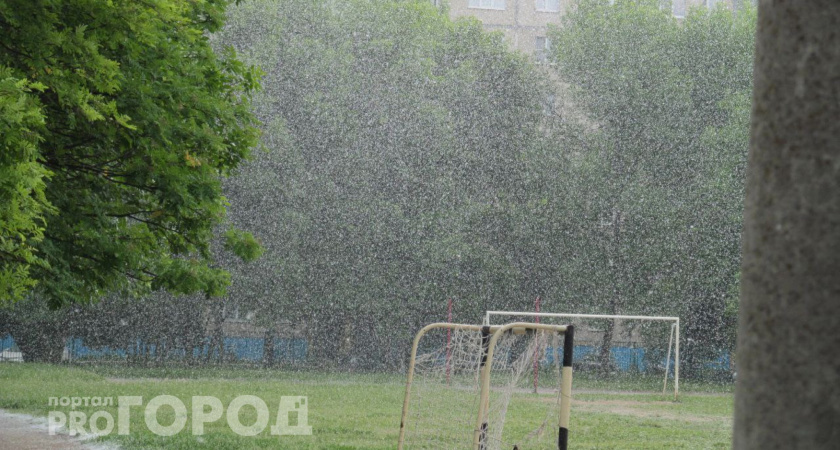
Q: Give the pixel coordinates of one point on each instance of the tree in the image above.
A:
(658, 160)
(789, 329)
(22, 183)
(395, 132)
(118, 123)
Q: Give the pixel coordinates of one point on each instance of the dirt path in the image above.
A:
(25, 432)
(642, 409)
(622, 392)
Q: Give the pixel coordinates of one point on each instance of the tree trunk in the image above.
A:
(39, 341)
(604, 359)
(268, 348)
(620, 283)
(788, 388)
(217, 319)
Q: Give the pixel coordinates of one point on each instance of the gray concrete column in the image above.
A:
(788, 391)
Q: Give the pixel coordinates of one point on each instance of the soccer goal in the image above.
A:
(468, 386)
(646, 345)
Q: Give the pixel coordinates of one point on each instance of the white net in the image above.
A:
(445, 392)
(617, 354)
(524, 406)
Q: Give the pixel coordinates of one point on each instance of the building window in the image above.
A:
(679, 8)
(541, 47)
(487, 4)
(235, 314)
(548, 5)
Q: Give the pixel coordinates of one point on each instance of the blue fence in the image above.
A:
(723, 362)
(238, 348)
(7, 343)
(625, 358)
(290, 350)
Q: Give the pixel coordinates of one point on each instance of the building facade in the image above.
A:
(525, 22)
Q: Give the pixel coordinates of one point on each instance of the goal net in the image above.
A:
(471, 386)
(616, 352)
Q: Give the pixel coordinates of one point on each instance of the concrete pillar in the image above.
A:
(788, 391)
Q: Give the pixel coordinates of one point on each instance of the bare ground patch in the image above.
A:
(644, 410)
(25, 432)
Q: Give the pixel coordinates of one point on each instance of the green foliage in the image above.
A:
(243, 244)
(124, 120)
(412, 161)
(23, 204)
(394, 132)
(662, 150)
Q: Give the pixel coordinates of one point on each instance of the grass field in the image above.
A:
(357, 411)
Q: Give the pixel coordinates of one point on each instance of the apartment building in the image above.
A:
(525, 22)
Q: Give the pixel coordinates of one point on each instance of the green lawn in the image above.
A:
(350, 411)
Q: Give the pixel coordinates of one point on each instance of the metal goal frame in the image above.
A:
(490, 336)
(673, 340)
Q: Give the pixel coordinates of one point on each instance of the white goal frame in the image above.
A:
(673, 341)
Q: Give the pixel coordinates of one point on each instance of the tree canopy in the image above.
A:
(662, 153)
(395, 132)
(414, 158)
(118, 121)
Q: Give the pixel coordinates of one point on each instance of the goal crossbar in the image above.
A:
(674, 335)
(492, 334)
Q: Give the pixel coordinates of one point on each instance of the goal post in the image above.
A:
(469, 384)
(673, 341)
(412, 365)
